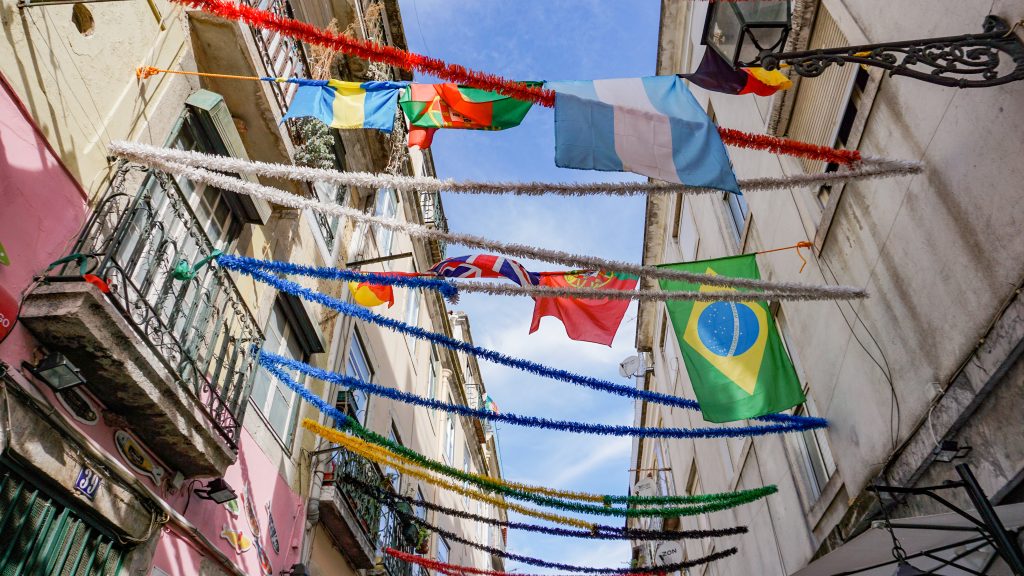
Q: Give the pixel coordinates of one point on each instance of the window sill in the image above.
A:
(825, 499)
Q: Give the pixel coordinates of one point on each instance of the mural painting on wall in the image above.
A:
(136, 457)
(233, 508)
(79, 406)
(266, 568)
(272, 531)
(239, 541)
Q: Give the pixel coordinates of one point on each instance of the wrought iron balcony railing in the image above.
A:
(366, 510)
(200, 329)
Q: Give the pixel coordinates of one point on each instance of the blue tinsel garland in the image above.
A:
(273, 363)
(244, 264)
(787, 422)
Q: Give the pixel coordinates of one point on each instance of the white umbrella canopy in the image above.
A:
(928, 541)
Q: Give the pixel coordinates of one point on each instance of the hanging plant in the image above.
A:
(423, 542)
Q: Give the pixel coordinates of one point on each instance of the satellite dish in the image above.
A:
(645, 487)
(628, 368)
(666, 553)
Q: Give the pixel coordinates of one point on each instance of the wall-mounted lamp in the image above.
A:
(950, 450)
(216, 490)
(58, 373)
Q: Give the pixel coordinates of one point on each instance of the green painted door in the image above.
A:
(40, 537)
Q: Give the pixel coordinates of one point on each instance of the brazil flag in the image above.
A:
(732, 350)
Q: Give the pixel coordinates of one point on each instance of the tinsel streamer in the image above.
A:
(273, 363)
(869, 167)
(379, 52)
(456, 570)
(450, 289)
(371, 51)
(282, 198)
(700, 505)
(445, 287)
(370, 454)
(600, 531)
(451, 536)
(497, 484)
(776, 145)
(446, 341)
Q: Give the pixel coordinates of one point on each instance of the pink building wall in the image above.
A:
(42, 209)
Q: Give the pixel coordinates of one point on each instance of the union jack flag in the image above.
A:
(485, 266)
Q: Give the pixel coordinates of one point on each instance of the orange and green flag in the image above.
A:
(432, 106)
(737, 363)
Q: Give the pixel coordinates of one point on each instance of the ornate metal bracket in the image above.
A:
(969, 61)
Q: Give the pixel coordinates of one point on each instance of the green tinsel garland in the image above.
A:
(698, 504)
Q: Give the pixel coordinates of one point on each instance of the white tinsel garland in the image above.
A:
(870, 167)
(276, 196)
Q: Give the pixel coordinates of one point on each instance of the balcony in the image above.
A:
(351, 518)
(357, 524)
(169, 359)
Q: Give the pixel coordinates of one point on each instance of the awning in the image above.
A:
(948, 544)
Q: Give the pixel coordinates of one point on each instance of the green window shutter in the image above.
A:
(39, 536)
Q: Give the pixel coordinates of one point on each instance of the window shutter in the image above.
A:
(820, 101)
(215, 118)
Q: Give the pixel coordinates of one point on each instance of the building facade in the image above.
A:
(122, 474)
(931, 356)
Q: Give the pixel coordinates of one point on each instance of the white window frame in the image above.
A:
(386, 206)
(264, 406)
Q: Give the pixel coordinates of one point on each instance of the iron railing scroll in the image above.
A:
(199, 328)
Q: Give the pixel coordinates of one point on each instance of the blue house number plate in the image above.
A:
(88, 482)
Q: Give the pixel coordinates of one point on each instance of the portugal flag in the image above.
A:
(432, 106)
(734, 356)
(586, 320)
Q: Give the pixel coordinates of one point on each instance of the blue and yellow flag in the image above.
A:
(346, 104)
(734, 356)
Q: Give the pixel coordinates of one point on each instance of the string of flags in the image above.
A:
(651, 126)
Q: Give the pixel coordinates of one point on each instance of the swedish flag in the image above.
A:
(734, 356)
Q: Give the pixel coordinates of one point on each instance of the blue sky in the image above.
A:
(543, 40)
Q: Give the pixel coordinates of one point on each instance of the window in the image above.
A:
(209, 204)
(738, 211)
(432, 375)
(412, 314)
(465, 468)
(663, 471)
(271, 397)
(442, 550)
(449, 437)
(357, 366)
(815, 455)
(694, 488)
(386, 207)
(684, 229)
(817, 465)
(858, 100)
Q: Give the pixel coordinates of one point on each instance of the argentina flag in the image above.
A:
(651, 126)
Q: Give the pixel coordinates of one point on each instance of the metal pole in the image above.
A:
(1006, 545)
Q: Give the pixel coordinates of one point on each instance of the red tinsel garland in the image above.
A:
(788, 147)
(456, 570)
(371, 51)
(455, 73)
